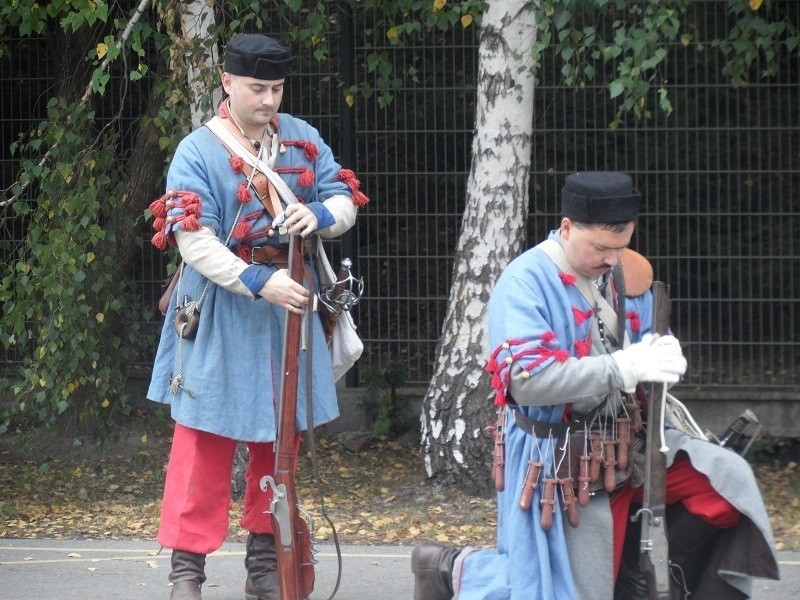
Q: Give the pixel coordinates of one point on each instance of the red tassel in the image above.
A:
(548, 337)
(581, 315)
(243, 252)
(159, 240)
(491, 365)
(360, 199)
(311, 151)
(566, 278)
(237, 164)
(243, 193)
(582, 348)
(189, 198)
(560, 355)
(346, 175)
(241, 230)
(633, 317)
(192, 209)
(158, 208)
(159, 223)
(306, 178)
(190, 223)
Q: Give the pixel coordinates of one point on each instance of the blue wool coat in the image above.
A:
(537, 318)
(531, 311)
(231, 369)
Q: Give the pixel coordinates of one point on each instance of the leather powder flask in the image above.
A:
(187, 320)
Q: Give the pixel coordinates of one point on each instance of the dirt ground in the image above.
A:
(374, 491)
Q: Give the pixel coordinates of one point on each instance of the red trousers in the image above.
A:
(684, 484)
(197, 491)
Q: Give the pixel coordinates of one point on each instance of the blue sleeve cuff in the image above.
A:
(324, 216)
(254, 277)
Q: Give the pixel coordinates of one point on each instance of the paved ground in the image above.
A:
(85, 570)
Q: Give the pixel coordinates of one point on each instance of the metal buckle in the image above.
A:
(253, 260)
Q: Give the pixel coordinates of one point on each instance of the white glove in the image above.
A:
(657, 359)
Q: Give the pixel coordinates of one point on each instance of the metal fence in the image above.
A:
(720, 177)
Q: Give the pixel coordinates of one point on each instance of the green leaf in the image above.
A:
(615, 88)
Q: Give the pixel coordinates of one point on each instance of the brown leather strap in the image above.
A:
(261, 184)
(273, 198)
(269, 255)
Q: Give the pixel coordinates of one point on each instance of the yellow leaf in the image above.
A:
(144, 438)
(439, 4)
(102, 50)
(100, 317)
(466, 21)
(755, 4)
(392, 33)
(105, 403)
(90, 257)
(350, 99)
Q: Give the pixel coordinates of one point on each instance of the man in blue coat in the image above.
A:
(567, 353)
(218, 363)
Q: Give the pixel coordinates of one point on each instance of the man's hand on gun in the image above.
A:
(656, 359)
(280, 289)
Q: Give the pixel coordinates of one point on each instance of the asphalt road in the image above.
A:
(132, 570)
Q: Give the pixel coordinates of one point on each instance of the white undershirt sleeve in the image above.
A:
(344, 211)
(202, 250)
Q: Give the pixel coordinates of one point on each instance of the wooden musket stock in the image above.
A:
(292, 536)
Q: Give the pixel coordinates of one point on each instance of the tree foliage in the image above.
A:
(62, 300)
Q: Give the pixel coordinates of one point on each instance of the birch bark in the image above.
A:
(458, 404)
(197, 19)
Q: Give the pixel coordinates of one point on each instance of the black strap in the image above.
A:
(619, 286)
(539, 428)
(312, 446)
(536, 428)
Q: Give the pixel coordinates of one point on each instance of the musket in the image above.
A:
(292, 535)
(653, 548)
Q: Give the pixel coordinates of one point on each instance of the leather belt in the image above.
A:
(273, 255)
(269, 255)
(540, 429)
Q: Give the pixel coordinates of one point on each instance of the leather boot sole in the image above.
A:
(185, 590)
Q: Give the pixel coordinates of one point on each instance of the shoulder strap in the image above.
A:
(227, 138)
(604, 310)
(268, 196)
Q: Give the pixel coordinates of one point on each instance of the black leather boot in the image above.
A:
(432, 565)
(188, 574)
(261, 561)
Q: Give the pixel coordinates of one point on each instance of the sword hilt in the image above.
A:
(344, 293)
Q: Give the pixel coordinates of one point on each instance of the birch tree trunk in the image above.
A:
(458, 404)
(196, 20)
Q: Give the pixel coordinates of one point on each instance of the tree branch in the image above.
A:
(87, 94)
